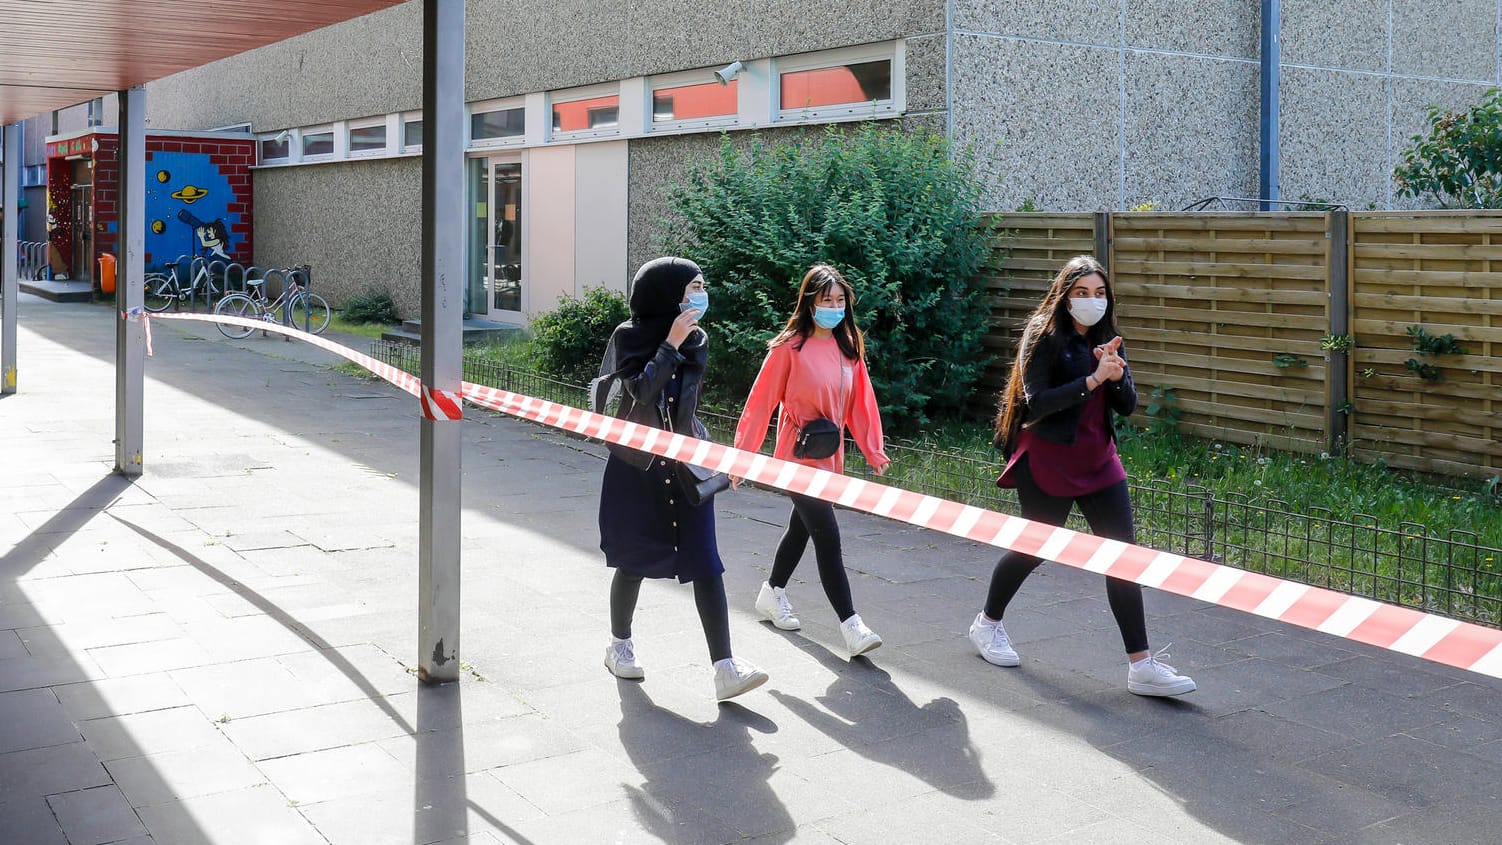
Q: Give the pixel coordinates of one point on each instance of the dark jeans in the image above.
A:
(814, 519)
(1109, 513)
(709, 596)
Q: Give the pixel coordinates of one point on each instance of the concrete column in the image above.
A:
(443, 290)
(10, 276)
(130, 280)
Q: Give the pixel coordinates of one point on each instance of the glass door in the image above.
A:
(497, 272)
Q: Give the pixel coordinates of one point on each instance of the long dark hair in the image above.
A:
(1051, 317)
(818, 279)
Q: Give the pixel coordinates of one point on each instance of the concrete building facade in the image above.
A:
(584, 113)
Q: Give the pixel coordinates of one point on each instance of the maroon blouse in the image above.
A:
(1089, 465)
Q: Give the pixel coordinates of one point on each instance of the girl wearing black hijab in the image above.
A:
(647, 527)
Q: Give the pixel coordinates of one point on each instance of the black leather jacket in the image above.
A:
(644, 398)
(1054, 386)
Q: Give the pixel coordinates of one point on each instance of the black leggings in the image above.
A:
(1109, 513)
(814, 519)
(709, 596)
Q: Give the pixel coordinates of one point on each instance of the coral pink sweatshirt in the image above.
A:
(810, 383)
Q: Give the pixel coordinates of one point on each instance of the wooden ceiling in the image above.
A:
(58, 53)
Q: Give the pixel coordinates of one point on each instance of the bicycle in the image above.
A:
(164, 289)
(297, 306)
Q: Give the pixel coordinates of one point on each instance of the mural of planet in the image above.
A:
(163, 176)
(190, 194)
(158, 227)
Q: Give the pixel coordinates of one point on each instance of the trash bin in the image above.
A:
(106, 272)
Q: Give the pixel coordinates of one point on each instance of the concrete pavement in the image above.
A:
(222, 652)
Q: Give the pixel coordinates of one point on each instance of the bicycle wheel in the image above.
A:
(309, 312)
(160, 292)
(237, 305)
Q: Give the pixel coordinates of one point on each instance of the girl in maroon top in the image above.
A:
(1054, 426)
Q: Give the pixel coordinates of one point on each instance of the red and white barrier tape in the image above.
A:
(440, 404)
(1447, 641)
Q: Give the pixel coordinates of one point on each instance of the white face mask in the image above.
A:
(1087, 311)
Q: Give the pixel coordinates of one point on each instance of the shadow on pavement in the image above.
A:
(730, 782)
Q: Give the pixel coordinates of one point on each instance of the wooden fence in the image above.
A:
(1228, 311)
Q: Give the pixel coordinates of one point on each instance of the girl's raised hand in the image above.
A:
(683, 327)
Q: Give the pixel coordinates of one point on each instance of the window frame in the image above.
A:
(324, 129)
(485, 107)
(402, 119)
(367, 123)
(291, 141)
(692, 77)
(574, 95)
(892, 52)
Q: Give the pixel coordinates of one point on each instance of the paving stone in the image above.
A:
(26, 818)
(344, 772)
(250, 816)
(33, 719)
(45, 771)
(96, 816)
(155, 656)
(174, 775)
(153, 732)
(1413, 772)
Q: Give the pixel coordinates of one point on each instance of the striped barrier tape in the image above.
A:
(1450, 642)
(440, 405)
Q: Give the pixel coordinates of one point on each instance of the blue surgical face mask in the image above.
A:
(828, 318)
(697, 300)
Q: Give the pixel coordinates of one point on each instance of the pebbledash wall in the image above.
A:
(1074, 104)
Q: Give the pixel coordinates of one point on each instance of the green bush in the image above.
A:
(373, 305)
(896, 212)
(571, 338)
(1458, 163)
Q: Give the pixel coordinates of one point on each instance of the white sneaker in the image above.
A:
(620, 659)
(991, 640)
(733, 676)
(772, 603)
(858, 638)
(1151, 676)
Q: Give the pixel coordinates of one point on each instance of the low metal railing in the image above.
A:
(1449, 573)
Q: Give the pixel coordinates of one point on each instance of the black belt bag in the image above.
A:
(818, 439)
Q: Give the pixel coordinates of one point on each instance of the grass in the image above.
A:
(370, 330)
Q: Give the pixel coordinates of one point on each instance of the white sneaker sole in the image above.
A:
(995, 659)
(1162, 691)
(865, 646)
(782, 624)
(749, 683)
(631, 674)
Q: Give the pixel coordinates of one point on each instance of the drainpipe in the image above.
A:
(1272, 19)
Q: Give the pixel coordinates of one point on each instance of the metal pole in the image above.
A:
(1272, 17)
(1338, 417)
(1102, 227)
(10, 274)
(130, 280)
(443, 292)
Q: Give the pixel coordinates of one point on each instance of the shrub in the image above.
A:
(896, 212)
(570, 339)
(373, 305)
(1459, 161)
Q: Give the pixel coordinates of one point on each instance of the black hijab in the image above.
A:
(656, 292)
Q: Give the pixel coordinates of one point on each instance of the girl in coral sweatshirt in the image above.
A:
(815, 369)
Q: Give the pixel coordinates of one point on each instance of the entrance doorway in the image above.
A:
(81, 268)
(497, 280)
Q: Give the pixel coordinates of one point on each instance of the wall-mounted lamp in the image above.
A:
(728, 72)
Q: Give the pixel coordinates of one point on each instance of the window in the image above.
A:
(319, 142)
(695, 102)
(367, 139)
(843, 85)
(597, 113)
(412, 133)
(273, 149)
(498, 124)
